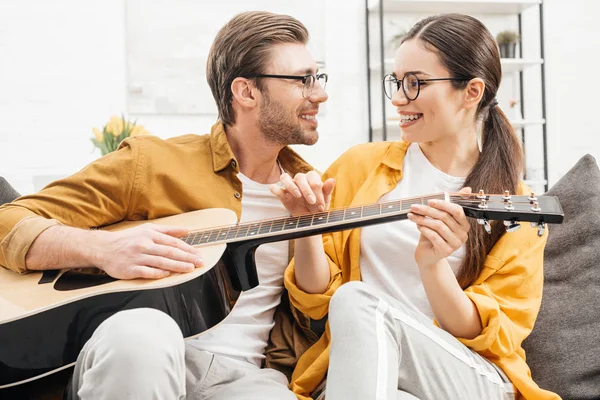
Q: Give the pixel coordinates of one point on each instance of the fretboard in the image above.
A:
(308, 222)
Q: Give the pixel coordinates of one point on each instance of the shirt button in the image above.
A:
(237, 195)
(233, 163)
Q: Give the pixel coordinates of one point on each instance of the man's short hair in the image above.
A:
(242, 48)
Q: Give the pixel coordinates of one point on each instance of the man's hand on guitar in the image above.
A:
(305, 193)
(148, 251)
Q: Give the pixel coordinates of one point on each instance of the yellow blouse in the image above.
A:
(507, 293)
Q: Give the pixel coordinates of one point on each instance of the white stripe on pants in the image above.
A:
(383, 349)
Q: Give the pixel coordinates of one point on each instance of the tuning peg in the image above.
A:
(512, 226)
(508, 205)
(486, 224)
(506, 196)
(541, 228)
(532, 197)
(535, 207)
(481, 195)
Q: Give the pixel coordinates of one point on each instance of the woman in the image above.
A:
(435, 307)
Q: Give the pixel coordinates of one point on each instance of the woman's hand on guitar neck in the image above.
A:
(148, 251)
(305, 193)
(444, 229)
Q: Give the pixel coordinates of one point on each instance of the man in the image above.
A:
(141, 353)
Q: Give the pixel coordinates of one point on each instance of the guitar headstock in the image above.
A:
(539, 210)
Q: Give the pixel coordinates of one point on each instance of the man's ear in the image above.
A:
(474, 92)
(244, 92)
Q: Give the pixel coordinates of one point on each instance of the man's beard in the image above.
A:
(279, 127)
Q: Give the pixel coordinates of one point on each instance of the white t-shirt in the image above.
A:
(243, 335)
(387, 250)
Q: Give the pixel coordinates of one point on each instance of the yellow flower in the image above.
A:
(138, 130)
(99, 134)
(115, 126)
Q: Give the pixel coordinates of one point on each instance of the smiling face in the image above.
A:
(285, 116)
(437, 112)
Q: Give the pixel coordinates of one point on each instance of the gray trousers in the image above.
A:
(382, 349)
(141, 354)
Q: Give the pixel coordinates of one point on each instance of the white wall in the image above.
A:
(572, 34)
(63, 71)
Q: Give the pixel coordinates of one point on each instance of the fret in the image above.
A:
(291, 223)
(336, 216)
(204, 237)
(242, 231)
(372, 209)
(253, 229)
(222, 235)
(213, 235)
(265, 227)
(277, 225)
(305, 220)
(320, 218)
(391, 207)
(232, 232)
(196, 238)
(352, 213)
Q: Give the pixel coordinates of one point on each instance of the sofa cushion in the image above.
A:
(7, 192)
(563, 350)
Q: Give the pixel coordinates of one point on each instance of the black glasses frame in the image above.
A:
(399, 83)
(303, 78)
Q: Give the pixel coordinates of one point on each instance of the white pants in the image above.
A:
(382, 349)
(141, 354)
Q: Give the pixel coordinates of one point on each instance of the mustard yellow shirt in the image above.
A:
(507, 293)
(147, 178)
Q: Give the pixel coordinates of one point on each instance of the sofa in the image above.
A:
(563, 350)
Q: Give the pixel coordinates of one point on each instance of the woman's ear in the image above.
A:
(244, 92)
(474, 92)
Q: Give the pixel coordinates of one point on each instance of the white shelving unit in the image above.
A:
(511, 67)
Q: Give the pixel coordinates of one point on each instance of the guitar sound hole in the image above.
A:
(82, 278)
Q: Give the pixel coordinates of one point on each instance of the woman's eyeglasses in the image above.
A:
(410, 84)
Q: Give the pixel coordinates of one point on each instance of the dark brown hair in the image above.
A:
(242, 48)
(467, 50)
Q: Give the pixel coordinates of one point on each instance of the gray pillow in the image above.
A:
(563, 350)
(7, 193)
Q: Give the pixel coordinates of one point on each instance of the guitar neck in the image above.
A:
(310, 224)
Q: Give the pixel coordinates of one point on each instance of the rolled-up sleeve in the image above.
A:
(509, 299)
(315, 305)
(97, 195)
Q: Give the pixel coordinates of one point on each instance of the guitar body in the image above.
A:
(43, 326)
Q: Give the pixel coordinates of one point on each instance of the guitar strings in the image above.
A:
(401, 205)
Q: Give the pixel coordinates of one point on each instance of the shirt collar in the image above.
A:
(395, 155)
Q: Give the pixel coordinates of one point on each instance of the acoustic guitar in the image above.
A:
(47, 317)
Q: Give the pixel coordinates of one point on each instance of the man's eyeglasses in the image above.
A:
(308, 81)
(411, 85)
